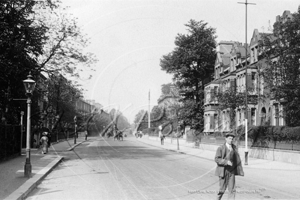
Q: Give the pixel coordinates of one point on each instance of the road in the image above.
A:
(107, 169)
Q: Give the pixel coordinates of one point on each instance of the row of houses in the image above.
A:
(47, 110)
(230, 73)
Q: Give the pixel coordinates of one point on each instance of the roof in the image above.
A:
(223, 53)
(257, 36)
(216, 81)
(226, 60)
(225, 46)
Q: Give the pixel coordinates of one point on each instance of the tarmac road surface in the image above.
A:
(102, 168)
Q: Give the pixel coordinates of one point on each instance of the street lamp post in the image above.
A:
(159, 133)
(177, 138)
(29, 85)
(56, 121)
(66, 132)
(21, 123)
(75, 122)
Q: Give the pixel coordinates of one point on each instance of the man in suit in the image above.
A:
(228, 165)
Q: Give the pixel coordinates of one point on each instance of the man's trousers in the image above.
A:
(227, 181)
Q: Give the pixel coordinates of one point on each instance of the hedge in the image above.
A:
(150, 131)
(274, 133)
(258, 134)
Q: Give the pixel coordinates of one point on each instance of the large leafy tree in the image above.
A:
(36, 36)
(102, 122)
(166, 89)
(169, 101)
(118, 120)
(138, 116)
(62, 96)
(282, 74)
(19, 39)
(63, 50)
(192, 65)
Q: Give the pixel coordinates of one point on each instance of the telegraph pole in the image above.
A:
(246, 85)
(149, 110)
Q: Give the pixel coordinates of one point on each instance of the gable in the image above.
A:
(255, 38)
(218, 60)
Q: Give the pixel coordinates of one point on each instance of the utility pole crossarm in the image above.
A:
(247, 3)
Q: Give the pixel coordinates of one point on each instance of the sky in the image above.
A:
(129, 37)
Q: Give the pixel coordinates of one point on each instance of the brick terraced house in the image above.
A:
(230, 73)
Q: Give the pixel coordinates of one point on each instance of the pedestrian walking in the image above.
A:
(140, 134)
(162, 138)
(160, 135)
(44, 143)
(228, 165)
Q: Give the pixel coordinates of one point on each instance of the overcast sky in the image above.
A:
(130, 36)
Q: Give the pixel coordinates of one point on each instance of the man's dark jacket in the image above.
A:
(222, 158)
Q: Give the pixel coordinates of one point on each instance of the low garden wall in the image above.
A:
(212, 144)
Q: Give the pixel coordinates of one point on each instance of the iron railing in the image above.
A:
(10, 141)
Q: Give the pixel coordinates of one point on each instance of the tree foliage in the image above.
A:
(19, 38)
(191, 116)
(118, 120)
(166, 88)
(230, 100)
(63, 50)
(62, 96)
(102, 121)
(192, 64)
(36, 36)
(282, 75)
(139, 116)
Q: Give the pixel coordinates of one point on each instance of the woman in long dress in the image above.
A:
(44, 143)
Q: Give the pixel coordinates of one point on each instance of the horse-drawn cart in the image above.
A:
(119, 136)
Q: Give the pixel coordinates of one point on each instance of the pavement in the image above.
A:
(14, 185)
(253, 163)
(275, 180)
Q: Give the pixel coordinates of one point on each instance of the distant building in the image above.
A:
(95, 105)
(83, 107)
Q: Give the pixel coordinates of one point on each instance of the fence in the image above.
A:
(70, 132)
(10, 141)
(260, 142)
(62, 134)
(264, 142)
